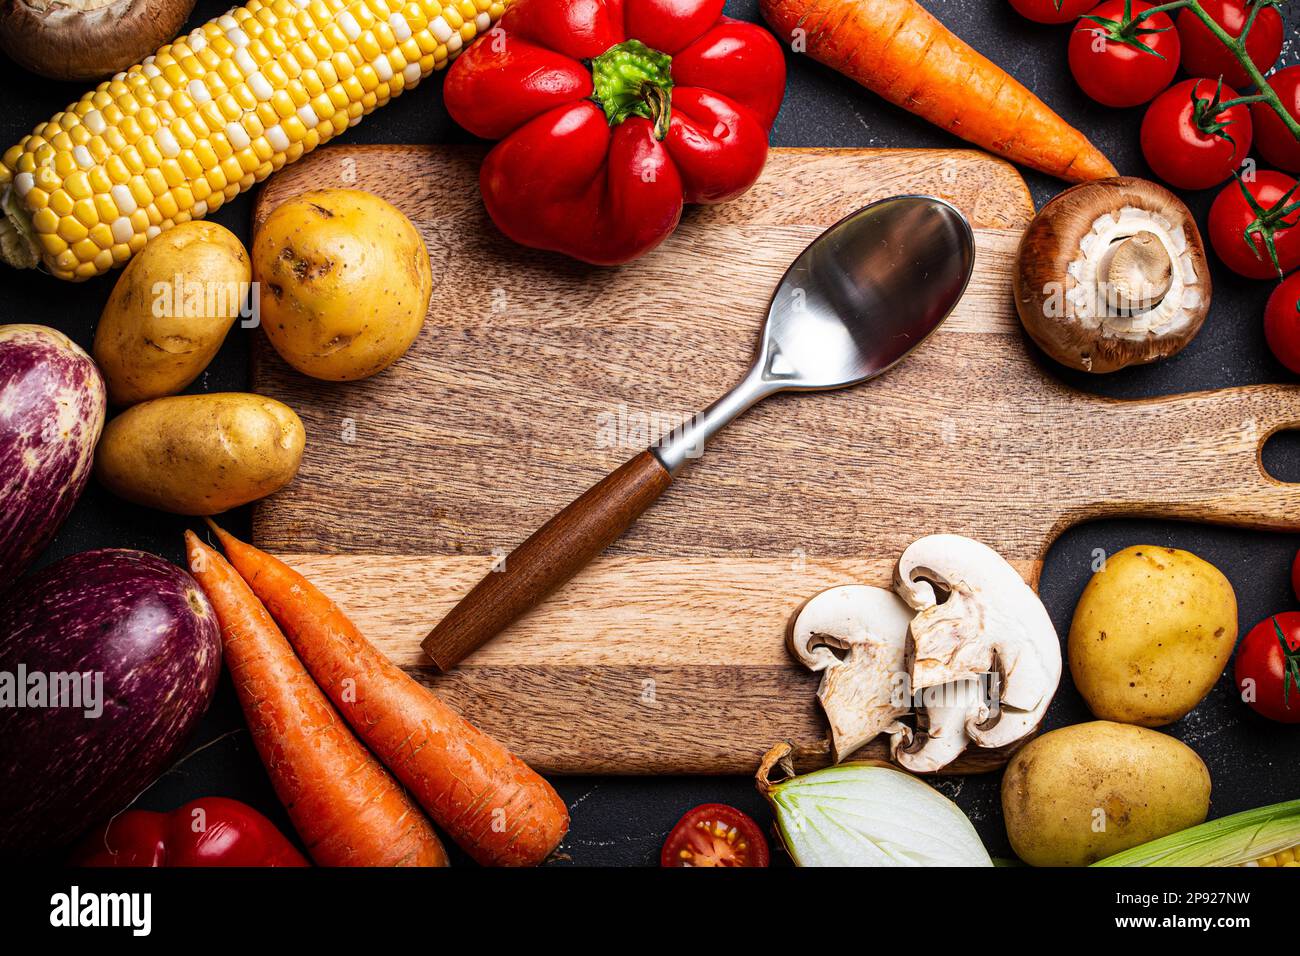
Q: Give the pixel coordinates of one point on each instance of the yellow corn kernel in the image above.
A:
(60, 202)
(1281, 858)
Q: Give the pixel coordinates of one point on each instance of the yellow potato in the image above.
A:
(1151, 635)
(344, 283)
(170, 311)
(200, 454)
(1079, 794)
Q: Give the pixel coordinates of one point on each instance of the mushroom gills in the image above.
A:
(1134, 276)
(991, 628)
(941, 726)
(855, 636)
(87, 39)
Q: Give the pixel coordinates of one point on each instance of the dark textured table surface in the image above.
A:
(622, 821)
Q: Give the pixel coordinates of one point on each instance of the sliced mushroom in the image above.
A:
(977, 620)
(87, 39)
(855, 637)
(940, 735)
(1112, 273)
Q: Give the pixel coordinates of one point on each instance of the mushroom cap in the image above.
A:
(855, 636)
(989, 625)
(1112, 273)
(87, 39)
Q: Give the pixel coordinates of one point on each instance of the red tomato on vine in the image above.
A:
(1204, 54)
(1282, 330)
(1277, 144)
(1189, 139)
(1255, 226)
(1119, 60)
(1267, 670)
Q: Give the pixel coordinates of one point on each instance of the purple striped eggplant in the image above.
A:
(107, 661)
(51, 414)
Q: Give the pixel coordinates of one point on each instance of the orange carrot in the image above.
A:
(344, 805)
(896, 49)
(496, 808)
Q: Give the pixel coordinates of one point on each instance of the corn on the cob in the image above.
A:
(209, 115)
(1267, 836)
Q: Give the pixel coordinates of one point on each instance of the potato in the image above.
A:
(345, 283)
(200, 454)
(1151, 635)
(170, 311)
(1079, 794)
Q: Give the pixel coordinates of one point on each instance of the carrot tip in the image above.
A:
(224, 536)
(194, 549)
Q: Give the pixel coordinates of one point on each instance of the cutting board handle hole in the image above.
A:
(1281, 456)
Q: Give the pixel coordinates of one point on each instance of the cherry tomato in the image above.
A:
(1231, 215)
(1052, 11)
(1282, 330)
(1295, 575)
(1110, 68)
(1188, 142)
(1267, 671)
(1277, 144)
(1205, 55)
(714, 834)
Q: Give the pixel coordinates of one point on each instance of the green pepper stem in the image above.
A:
(631, 79)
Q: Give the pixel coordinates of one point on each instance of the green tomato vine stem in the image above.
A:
(1237, 47)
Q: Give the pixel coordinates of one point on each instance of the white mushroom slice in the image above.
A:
(982, 622)
(941, 727)
(855, 636)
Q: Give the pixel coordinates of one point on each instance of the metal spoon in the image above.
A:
(863, 295)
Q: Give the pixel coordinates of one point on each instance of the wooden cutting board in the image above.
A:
(535, 375)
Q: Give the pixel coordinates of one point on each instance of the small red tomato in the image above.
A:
(714, 834)
(1282, 330)
(1051, 11)
(1277, 144)
(1295, 575)
(1205, 55)
(1190, 142)
(1267, 670)
(1240, 227)
(1121, 61)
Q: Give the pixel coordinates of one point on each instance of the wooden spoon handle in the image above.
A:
(554, 554)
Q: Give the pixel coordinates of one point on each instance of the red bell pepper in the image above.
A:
(211, 831)
(612, 114)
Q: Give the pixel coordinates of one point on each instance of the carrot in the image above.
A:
(344, 805)
(496, 808)
(895, 48)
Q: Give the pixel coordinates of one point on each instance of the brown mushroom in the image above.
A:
(1112, 273)
(87, 39)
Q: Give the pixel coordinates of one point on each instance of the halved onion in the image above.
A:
(866, 814)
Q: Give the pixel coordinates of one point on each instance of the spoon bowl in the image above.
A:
(866, 292)
(863, 295)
